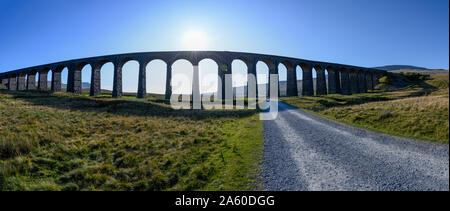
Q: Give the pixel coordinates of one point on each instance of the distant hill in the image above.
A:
(400, 67)
(84, 85)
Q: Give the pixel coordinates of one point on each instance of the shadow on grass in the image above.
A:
(124, 107)
(427, 87)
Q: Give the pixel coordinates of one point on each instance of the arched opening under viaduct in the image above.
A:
(182, 71)
(86, 72)
(240, 70)
(262, 75)
(208, 70)
(299, 73)
(106, 78)
(282, 78)
(64, 78)
(130, 77)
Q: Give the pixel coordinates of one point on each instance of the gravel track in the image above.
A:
(306, 152)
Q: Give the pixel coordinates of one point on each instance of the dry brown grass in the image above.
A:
(65, 142)
(419, 111)
(419, 117)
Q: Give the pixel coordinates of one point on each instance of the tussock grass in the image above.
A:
(419, 117)
(65, 142)
(419, 110)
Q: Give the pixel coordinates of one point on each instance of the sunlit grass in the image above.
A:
(66, 142)
(417, 111)
(419, 117)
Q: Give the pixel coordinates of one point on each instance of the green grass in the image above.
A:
(66, 142)
(419, 110)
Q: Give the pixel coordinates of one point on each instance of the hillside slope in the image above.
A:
(418, 110)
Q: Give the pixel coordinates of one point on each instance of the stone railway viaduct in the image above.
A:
(344, 79)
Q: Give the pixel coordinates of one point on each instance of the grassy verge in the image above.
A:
(420, 110)
(66, 142)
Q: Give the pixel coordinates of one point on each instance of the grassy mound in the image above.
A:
(66, 142)
(419, 117)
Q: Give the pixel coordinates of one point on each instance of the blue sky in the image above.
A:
(358, 32)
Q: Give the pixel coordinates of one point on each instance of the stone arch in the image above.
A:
(12, 81)
(299, 78)
(122, 61)
(270, 64)
(221, 58)
(345, 80)
(21, 81)
(244, 59)
(49, 78)
(314, 70)
(304, 65)
(185, 56)
(157, 57)
(375, 78)
(353, 76)
(369, 83)
(99, 76)
(4, 81)
(282, 78)
(43, 78)
(64, 77)
(361, 81)
(56, 79)
(31, 80)
(86, 72)
(82, 65)
(325, 70)
(288, 64)
(107, 76)
(215, 58)
(333, 80)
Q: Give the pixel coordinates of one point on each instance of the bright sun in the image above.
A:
(195, 40)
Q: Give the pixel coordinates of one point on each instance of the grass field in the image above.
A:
(419, 110)
(65, 142)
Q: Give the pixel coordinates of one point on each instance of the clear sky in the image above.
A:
(358, 32)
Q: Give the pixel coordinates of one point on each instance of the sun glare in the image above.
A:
(195, 41)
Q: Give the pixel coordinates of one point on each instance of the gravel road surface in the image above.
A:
(306, 152)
